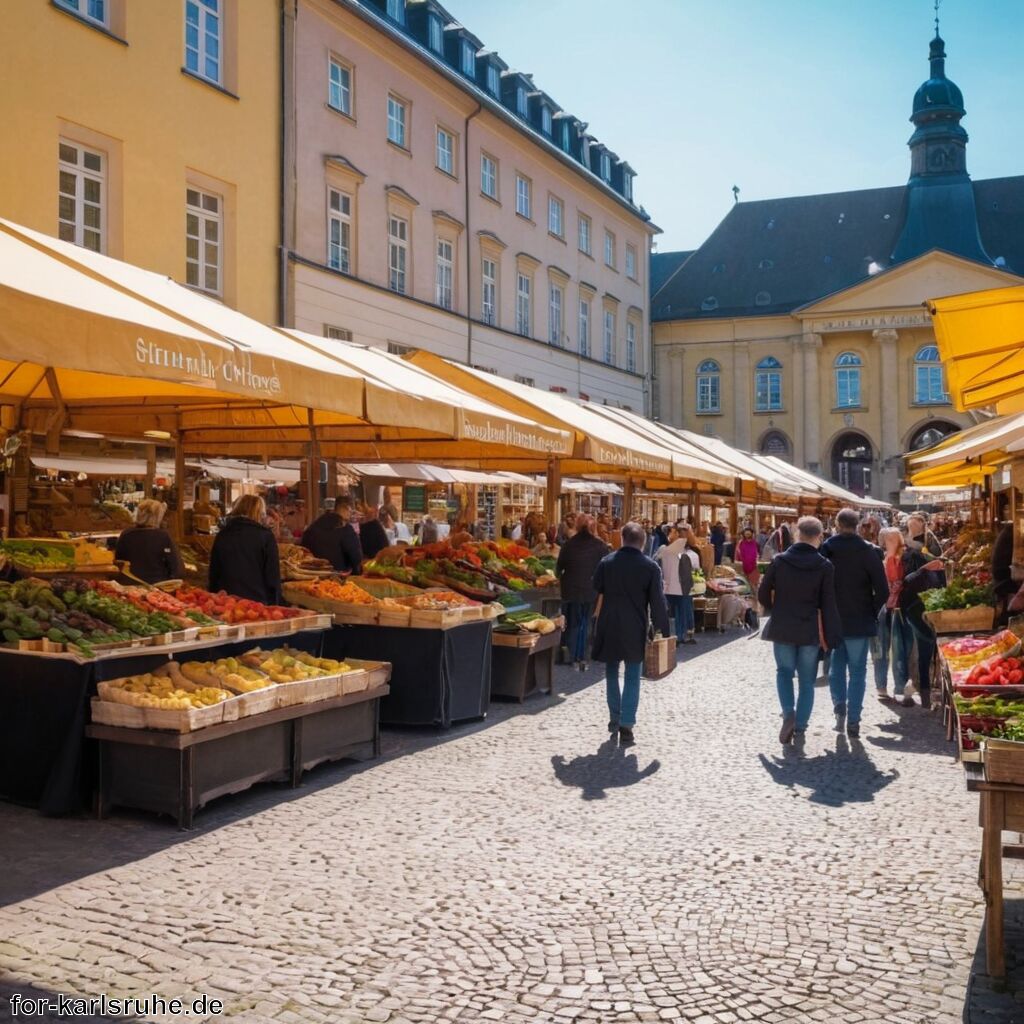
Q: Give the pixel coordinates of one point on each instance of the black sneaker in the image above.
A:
(612, 725)
(840, 712)
(625, 736)
(853, 730)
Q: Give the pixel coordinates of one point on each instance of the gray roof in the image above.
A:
(775, 255)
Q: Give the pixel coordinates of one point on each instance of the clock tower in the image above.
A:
(940, 210)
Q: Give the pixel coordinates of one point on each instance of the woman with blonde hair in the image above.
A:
(244, 560)
(147, 547)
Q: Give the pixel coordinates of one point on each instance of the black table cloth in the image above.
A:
(438, 676)
(44, 708)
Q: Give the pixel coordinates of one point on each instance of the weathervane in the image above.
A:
(937, 4)
(735, 193)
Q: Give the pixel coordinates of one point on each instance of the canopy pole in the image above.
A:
(179, 484)
(627, 499)
(147, 484)
(734, 511)
(312, 470)
(553, 492)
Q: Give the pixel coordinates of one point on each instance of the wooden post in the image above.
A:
(627, 499)
(312, 472)
(179, 485)
(553, 492)
(332, 478)
(147, 484)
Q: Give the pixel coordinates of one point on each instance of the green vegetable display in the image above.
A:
(961, 593)
(1010, 731)
(989, 707)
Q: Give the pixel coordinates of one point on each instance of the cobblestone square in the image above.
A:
(527, 869)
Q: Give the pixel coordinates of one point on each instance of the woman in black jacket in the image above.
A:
(244, 560)
(578, 559)
(149, 550)
(798, 592)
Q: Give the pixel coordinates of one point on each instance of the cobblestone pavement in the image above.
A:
(527, 870)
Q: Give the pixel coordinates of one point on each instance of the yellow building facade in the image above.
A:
(151, 132)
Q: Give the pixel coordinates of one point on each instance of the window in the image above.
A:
(848, 381)
(609, 249)
(556, 216)
(203, 232)
(768, 385)
(709, 387)
(493, 79)
(202, 38)
(396, 121)
(520, 101)
(396, 11)
(339, 230)
(566, 140)
(339, 87)
(528, 381)
(91, 10)
(81, 196)
(609, 337)
(775, 443)
(584, 327)
(929, 385)
(606, 166)
(631, 346)
(445, 151)
(545, 119)
(488, 176)
(398, 251)
(489, 291)
(443, 282)
(397, 349)
(584, 234)
(468, 59)
(523, 304)
(555, 296)
(627, 186)
(337, 333)
(631, 262)
(523, 204)
(435, 34)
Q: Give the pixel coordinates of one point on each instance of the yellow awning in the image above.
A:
(986, 442)
(981, 341)
(955, 474)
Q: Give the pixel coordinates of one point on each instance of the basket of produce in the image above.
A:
(164, 699)
(303, 678)
(345, 601)
(376, 673)
(966, 652)
(1003, 754)
(700, 584)
(997, 675)
(961, 607)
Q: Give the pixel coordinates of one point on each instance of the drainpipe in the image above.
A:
(289, 15)
(469, 244)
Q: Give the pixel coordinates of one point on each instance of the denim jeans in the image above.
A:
(803, 661)
(622, 705)
(848, 675)
(677, 614)
(689, 623)
(577, 626)
(925, 654)
(893, 645)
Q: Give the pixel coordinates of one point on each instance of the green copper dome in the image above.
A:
(938, 94)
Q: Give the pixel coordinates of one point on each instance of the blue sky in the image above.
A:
(781, 98)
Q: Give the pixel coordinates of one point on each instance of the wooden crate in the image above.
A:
(660, 657)
(356, 614)
(165, 719)
(389, 615)
(378, 673)
(354, 682)
(1004, 761)
(428, 618)
(962, 620)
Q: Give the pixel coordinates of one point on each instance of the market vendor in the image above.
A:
(244, 560)
(149, 550)
(373, 535)
(333, 538)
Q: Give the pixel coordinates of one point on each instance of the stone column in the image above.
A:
(812, 402)
(674, 367)
(797, 399)
(888, 402)
(741, 384)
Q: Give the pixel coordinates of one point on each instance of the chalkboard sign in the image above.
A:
(414, 499)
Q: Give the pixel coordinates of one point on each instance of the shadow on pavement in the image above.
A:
(49, 1004)
(914, 732)
(843, 776)
(984, 1004)
(610, 768)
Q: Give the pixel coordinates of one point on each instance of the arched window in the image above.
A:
(852, 456)
(931, 434)
(768, 385)
(775, 443)
(709, 387)
(848, 380)
(929, 382)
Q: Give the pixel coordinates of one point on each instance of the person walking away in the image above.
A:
(717, 539)
(798, 592)
(677, 578)
(577, 563)
(244, 560)
(861, 593)
(148, 548)
(747, 552)
(333, 538)
(630, 595)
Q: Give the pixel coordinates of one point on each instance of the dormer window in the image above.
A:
(493, 79)
(468, 59)
(566, 137)
(545, 119)
(521, 101)
(396, 11)
(435, 33)
(606, 167)
(627, 186)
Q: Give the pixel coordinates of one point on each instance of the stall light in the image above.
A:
(159, 435)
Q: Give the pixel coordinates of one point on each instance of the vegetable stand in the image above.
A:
(522, 665)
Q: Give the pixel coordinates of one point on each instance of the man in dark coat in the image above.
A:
(373, 538)
(333, 538)
(577, 562)
(861, 593)
(717, 539)
(630, 594)
(798, 592)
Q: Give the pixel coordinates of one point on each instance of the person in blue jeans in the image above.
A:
(630, 598)
(798, 593)
(578, 560)
(861, 593)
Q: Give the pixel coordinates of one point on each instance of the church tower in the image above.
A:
(940, 210)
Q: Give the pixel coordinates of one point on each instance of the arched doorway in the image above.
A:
(775, 443)
(852, 456)
(930, 433)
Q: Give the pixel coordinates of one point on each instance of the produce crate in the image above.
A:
(1004, 761)
(393, 616)
(961, 620)
(355, 681)
(660, 657)
(429, 618)
(515, 639)
(166, 719)
(356, 614)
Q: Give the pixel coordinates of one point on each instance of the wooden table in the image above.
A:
(517, 670)
(1001, 810)
(177, 773)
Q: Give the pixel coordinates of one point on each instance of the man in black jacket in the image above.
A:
(577, 562)
(861, 593)
(333, 538)
(798, 592)
(630, 596)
